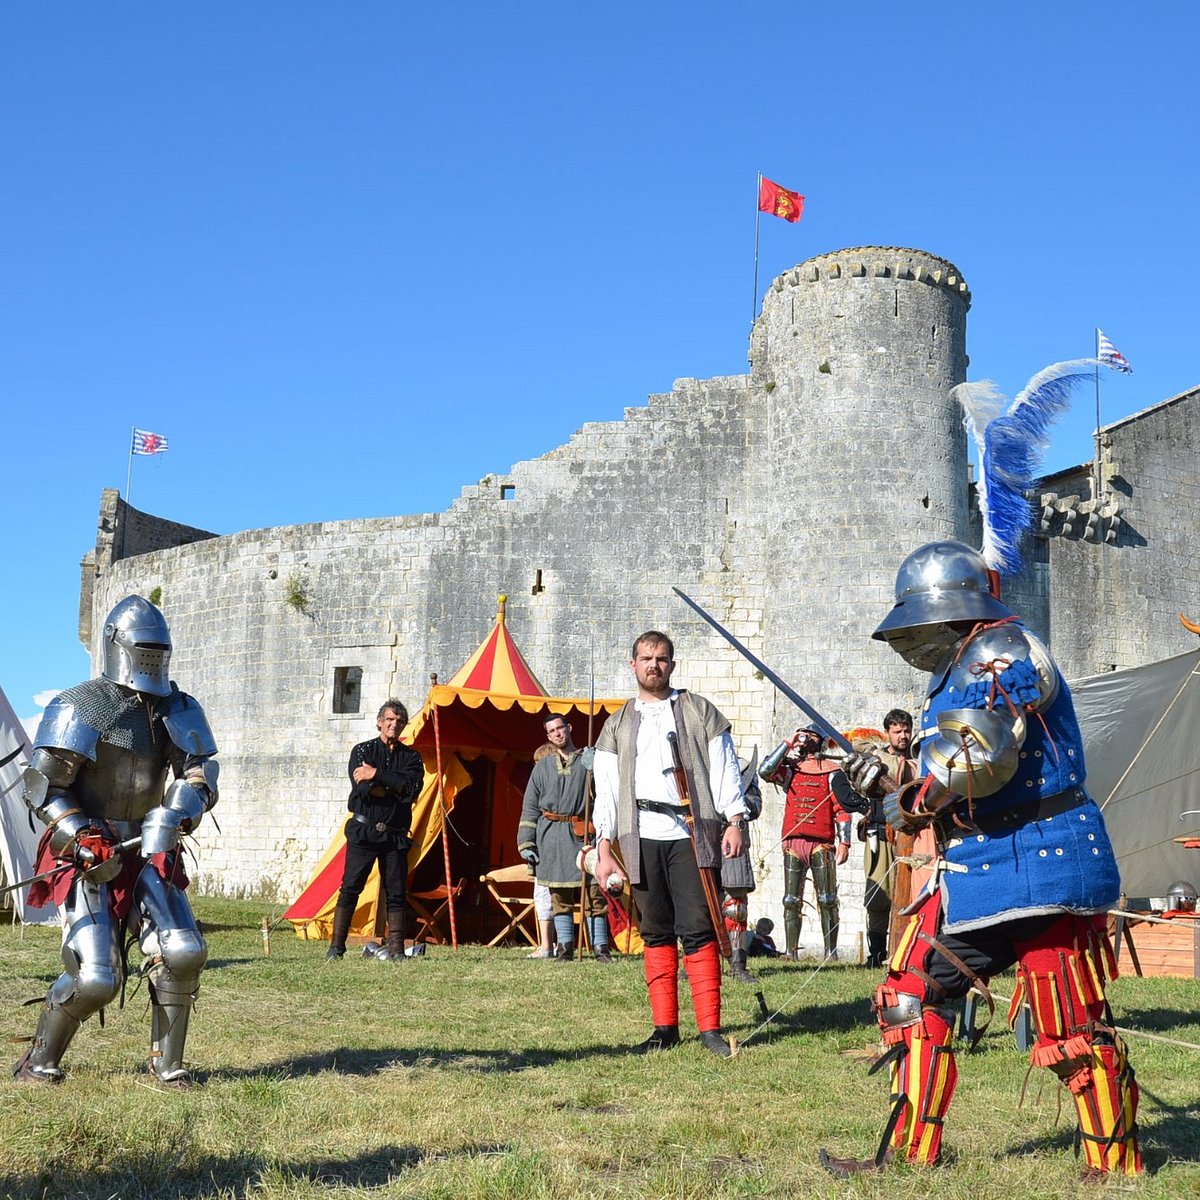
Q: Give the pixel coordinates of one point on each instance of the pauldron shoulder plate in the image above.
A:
(187, 725)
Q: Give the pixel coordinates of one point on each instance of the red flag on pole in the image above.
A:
(779, 201)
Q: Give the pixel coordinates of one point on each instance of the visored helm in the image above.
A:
(937, 585)
(137, 647)
(1181, 897)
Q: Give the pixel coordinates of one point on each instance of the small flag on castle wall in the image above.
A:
(145, 442)
(1110, 356)
(779, 201)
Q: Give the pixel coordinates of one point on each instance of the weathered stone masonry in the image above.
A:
(783, 500)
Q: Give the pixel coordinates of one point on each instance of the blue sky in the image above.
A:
(350, 258)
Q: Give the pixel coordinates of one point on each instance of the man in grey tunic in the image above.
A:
(551, 836)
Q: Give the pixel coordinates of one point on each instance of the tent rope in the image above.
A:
(1146, 741)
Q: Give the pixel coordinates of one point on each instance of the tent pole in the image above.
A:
(437, 753)
(585, 907)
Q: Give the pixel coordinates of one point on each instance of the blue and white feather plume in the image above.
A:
(1011, 447)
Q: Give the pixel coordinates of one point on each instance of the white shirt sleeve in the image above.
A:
(606, 773)
(725, 777)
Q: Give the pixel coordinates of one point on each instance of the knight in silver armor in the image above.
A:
(98, 780)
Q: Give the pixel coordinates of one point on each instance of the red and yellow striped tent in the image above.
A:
(476, 735)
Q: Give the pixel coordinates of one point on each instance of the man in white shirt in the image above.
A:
(638, 805)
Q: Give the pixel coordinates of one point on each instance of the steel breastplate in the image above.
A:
(120, 785)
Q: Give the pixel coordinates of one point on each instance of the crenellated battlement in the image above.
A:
(878, 262)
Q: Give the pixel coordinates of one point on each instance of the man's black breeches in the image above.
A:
(670, 898)
(393, 869)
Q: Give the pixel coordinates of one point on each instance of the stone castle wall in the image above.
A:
(781, 500)
(1118, 580)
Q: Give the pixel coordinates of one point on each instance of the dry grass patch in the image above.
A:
(485, 1074)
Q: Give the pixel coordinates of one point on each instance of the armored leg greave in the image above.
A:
(824, 871)
(923, 1079)
(1062, 980)
(171, 939)
(92, 979)
(1095, 1069)
(794, 872)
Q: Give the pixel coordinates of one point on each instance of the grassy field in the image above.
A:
(482, 1074)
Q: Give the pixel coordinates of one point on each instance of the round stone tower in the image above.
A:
(856, 353)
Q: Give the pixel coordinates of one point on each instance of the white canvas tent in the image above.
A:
(1141, 734)
(18, 842)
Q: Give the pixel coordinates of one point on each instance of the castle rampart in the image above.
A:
(782, 500)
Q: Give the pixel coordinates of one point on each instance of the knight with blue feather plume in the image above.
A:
(1024, 871)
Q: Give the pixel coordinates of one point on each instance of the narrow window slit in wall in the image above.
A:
(538, 586)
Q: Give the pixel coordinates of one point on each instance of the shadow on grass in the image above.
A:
(843, 1016)
(345, 1061)
(1166, 1135)
(151, 1176)
(1157, 1020)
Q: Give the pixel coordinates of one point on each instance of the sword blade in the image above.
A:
(794, 696)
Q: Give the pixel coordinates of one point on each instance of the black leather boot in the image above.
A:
(737, 967)
(341, 928)
(663, 1038)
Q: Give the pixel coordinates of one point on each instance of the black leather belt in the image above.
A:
(1024, 814)
(661, 806)
(378, 826)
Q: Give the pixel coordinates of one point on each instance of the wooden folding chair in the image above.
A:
(512, 889)
(428, 929)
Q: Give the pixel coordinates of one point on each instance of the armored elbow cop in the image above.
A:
(975, 752)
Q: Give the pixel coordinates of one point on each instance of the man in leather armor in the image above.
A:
(385, 779)
(1024, 870)
(816, 831)
(101, 760)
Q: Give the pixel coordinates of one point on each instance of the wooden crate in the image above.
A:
(1171, 949)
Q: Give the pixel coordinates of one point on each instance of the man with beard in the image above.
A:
(639, 805)
(889, 882)
(551, 835)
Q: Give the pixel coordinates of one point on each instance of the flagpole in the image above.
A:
(1096, 464)
(757, 222)
(129, 471)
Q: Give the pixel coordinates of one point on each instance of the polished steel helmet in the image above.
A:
(137, 647)
(1181, 897)
(938, 584)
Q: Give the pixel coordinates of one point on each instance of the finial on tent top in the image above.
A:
(501, 600)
